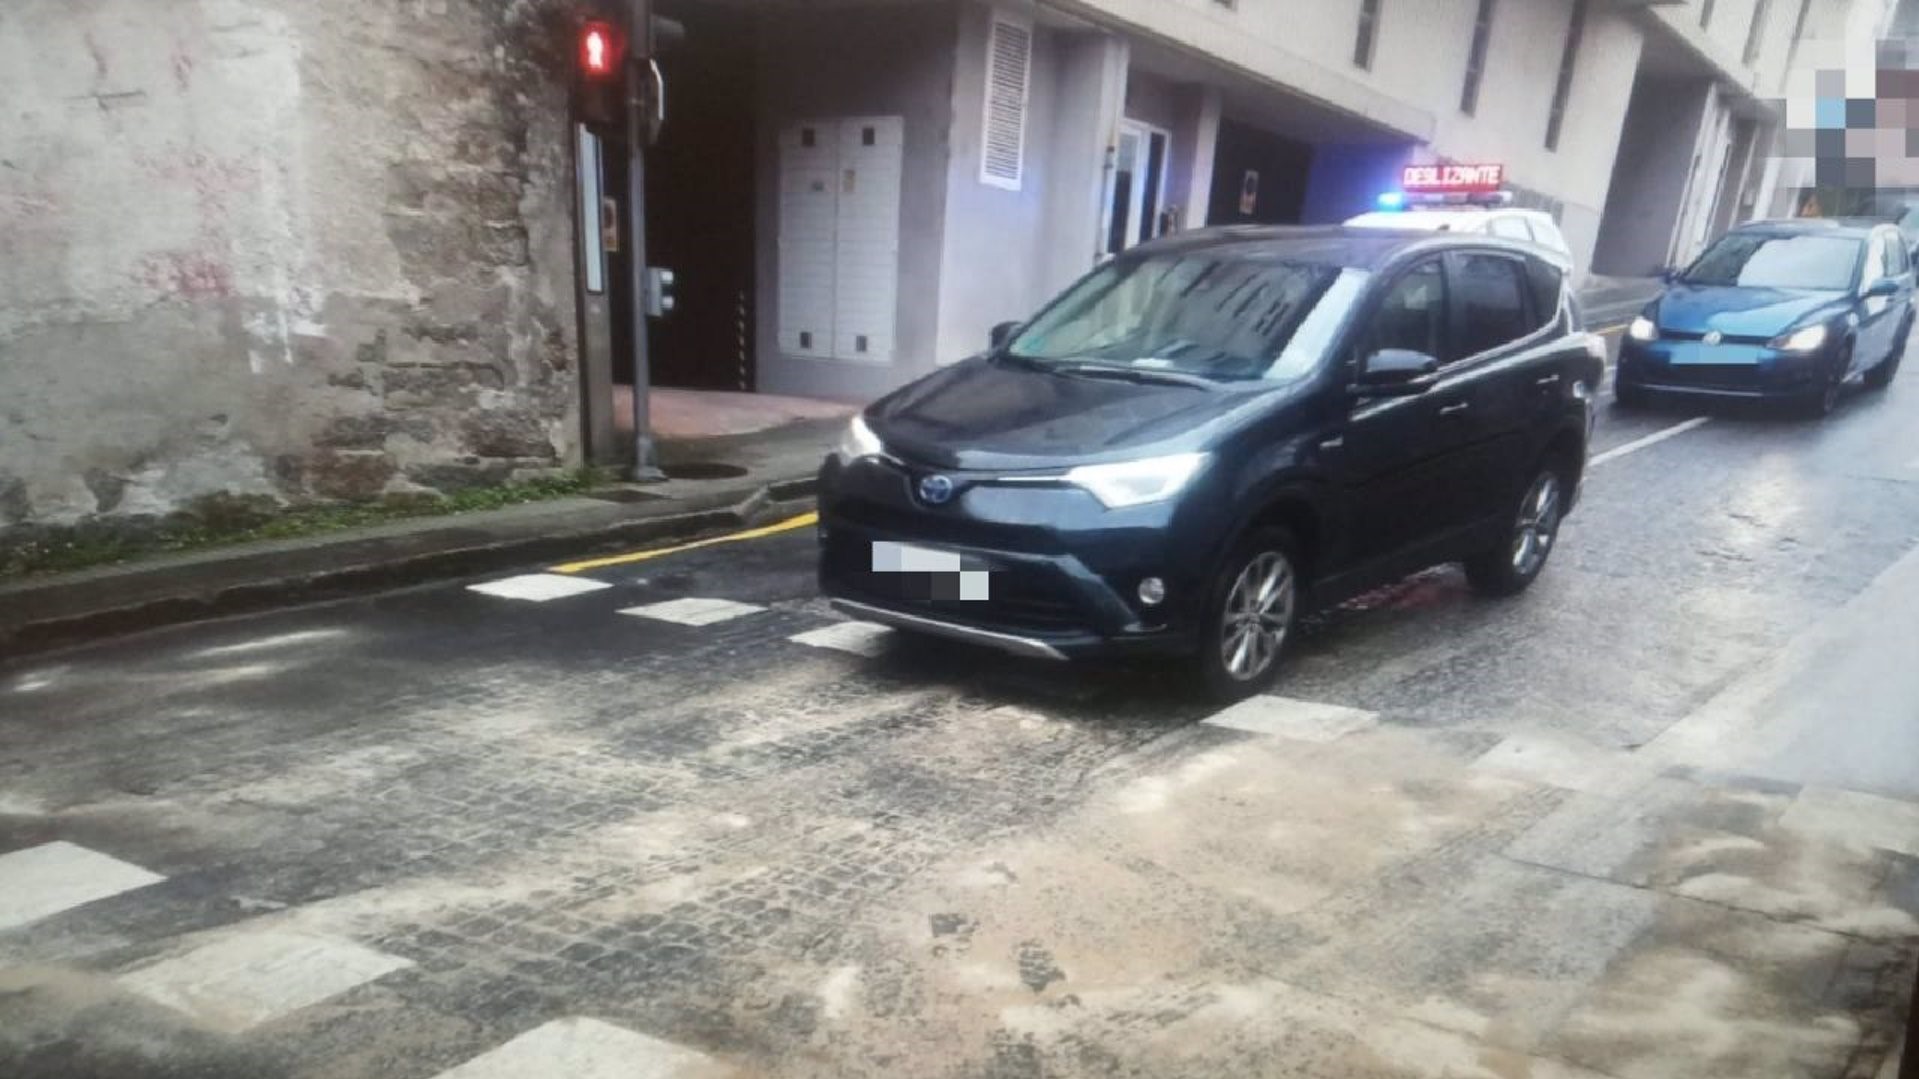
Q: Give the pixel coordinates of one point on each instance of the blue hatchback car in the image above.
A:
(1781, 309)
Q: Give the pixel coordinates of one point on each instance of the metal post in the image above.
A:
(646, 467)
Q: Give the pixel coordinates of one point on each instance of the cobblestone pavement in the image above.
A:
(543, 826)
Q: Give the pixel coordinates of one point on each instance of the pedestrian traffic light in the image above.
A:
(602, 75)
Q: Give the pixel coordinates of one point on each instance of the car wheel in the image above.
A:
(1881, 376)
(1249, 619)
(1820, 403)
(1507, 569)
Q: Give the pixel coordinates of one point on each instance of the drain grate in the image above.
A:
(704, 470)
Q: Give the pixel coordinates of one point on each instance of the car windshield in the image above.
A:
(1762, 260)
(1218, 317)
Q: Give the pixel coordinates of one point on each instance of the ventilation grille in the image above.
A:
(1009, 63)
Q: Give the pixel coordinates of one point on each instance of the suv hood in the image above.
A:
(1740, 312)
(982, 414)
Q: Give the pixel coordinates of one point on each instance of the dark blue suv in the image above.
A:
(1787, 310)
(1211, 434)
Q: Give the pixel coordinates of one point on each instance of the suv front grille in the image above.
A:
(1019, 597)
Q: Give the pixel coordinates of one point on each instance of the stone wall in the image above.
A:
(292, 249)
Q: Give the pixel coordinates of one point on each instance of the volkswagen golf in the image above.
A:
(1210, 435)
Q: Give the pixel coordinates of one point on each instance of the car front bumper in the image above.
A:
(1729, 370)
(1061, 572)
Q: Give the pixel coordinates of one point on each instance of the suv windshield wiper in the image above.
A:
(1135, 374)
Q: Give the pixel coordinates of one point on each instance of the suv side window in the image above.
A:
(1490, 302)
(1412, 314)
(1897, 263)
(1548, 285)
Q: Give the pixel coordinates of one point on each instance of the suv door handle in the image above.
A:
(1455, 408)
(1546, 380)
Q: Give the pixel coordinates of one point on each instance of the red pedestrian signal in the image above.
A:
(600, 84)
(601, 50)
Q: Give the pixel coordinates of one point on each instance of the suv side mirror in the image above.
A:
(1397, 372)
(1885, 286)
(1001, 334)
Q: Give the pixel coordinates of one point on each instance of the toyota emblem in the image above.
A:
(936, 490)
(1713, 337)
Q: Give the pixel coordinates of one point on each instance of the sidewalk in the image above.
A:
(748, 479)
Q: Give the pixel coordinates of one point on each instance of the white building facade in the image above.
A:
(925, 170)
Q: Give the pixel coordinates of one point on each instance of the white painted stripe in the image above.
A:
(256, 976)
(1653, 439)
(42, 881)
(859, 638)
(1305, 721)
(589, 1049)
(694, 612)
(539, 587)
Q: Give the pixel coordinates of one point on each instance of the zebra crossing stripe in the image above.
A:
(589, 1049)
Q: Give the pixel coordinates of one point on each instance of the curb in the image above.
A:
(67, 629)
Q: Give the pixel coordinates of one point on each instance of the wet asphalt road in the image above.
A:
(1657, 817)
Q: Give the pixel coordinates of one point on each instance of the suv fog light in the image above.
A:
(1152, 591)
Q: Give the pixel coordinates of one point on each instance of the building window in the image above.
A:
(1368, 34)
(1705, 14)
(1476, 57)
(1009, 76)
(1556, 120)
(1756, 36)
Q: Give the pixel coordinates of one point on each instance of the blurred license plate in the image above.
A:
(946, 571)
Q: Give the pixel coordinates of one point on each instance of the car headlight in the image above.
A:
(858, 441)
(1808, 339)
(1643, 329)
(1135, 483)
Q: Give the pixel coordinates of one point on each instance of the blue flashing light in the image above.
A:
(1392, 200)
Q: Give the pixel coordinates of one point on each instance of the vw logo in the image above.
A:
(1713, 337)
(936, 490)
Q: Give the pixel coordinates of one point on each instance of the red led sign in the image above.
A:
(1437, 178)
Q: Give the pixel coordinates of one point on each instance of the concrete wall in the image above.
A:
(256, 247)
(1008, 252)
(1650, 180)
(887, 61)
(995, 262)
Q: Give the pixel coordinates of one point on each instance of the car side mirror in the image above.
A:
(1885, 286)
(1668, 274)
(1001, 334)
(1397, 372)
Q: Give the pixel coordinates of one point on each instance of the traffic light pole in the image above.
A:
(646, 466)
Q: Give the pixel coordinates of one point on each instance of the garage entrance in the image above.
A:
(1259, 178)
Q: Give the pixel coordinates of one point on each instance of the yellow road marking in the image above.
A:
(1610, 330)
(788, 525)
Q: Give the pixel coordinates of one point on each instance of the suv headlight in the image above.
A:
(1136, 483)
(1643, 329)
(1806, 339)
(858, 441)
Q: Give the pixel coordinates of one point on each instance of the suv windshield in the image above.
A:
(1219, 317)
(1762, 260)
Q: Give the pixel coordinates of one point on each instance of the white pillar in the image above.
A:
(1205, 142)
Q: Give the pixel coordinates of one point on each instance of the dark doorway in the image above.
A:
(1258, 177)
(699, 201)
